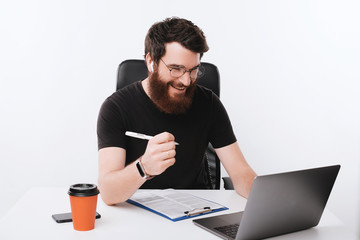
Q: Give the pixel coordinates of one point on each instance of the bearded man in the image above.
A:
(170, 106)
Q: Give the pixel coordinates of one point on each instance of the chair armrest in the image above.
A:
(228, 185)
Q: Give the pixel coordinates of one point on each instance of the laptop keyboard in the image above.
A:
(229, 230)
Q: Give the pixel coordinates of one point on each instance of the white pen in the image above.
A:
(140, 136)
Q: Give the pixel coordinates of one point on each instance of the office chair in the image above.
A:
(130, 71)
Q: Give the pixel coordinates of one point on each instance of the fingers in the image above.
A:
(162, 150)
(169, 154)
(163, 138)
(168, 163)
(161, 144)
(159, 154)
(163, 147)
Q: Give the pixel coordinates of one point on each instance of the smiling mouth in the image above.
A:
(180, 88)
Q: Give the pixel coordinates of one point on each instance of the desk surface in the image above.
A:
(31, 218)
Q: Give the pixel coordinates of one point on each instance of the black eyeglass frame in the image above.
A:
(199, 74)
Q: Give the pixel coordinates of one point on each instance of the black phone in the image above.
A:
(66, 217)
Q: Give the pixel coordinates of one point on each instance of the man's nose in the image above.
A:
(185, 79)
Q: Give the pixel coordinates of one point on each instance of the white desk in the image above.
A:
(31, 218)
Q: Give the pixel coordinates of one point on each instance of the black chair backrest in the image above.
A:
(133, 70)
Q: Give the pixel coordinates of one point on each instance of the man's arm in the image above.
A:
(114, 177)
(118, 182)
(240, 172)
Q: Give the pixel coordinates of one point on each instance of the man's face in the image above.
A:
(173, 95)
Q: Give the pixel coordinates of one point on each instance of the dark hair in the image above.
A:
(174, 30)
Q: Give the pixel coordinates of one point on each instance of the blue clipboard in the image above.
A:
(186, 214)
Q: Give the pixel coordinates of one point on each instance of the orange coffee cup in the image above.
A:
(83, 200)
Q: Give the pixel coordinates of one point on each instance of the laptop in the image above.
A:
(278, 204)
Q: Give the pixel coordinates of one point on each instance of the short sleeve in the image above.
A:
(110, 130)
(221, 131)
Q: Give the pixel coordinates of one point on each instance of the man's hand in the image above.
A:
(159, 154)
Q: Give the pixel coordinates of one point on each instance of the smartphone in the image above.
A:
(66, 217)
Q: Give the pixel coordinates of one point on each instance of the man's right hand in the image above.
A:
(159, 154)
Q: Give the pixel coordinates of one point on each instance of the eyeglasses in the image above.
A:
(178, 71)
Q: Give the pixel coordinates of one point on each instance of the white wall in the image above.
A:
(290, 82)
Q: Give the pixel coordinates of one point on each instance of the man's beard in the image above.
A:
(159, 94)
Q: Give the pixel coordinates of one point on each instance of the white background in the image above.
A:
(290, 81)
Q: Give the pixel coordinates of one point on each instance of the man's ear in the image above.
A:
(149, 63)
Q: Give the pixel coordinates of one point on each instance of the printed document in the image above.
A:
(174, 204)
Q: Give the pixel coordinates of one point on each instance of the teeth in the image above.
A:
(180, 88)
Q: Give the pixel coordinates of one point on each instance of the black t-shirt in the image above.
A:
(130, 109)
